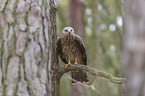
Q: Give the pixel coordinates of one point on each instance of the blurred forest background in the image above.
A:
(113, 33)
(100, 24)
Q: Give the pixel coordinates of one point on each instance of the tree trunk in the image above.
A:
(28, 60)
(23, 48)
(53, 66)
(134, 47)
(75, 20)
(75, 16)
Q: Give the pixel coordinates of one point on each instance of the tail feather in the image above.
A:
(79, 76)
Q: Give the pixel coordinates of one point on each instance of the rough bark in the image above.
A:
(23, 47)
(53, 66)
(134, 47)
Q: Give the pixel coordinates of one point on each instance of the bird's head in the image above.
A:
(68, 31)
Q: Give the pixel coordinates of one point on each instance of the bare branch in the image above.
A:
(92, 71)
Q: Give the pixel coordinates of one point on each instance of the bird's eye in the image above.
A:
(65, 30)
(71, 30)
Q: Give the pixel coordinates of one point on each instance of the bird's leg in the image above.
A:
(69, 61)
(76, 61)
(67, 64)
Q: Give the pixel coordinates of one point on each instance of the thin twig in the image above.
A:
(122, 1)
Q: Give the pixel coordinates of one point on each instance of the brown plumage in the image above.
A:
(70, 47)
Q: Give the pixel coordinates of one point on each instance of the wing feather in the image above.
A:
(80, 44)
(59, 50)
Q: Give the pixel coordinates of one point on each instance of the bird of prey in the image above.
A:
(71, 49)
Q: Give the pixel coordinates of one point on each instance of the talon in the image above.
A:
(69, 62)
(66, 65)
(76, 61)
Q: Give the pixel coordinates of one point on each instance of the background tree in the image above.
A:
(134, 47)
(109, 22)
(75, 20)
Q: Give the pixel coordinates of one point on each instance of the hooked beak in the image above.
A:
(69, 33)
